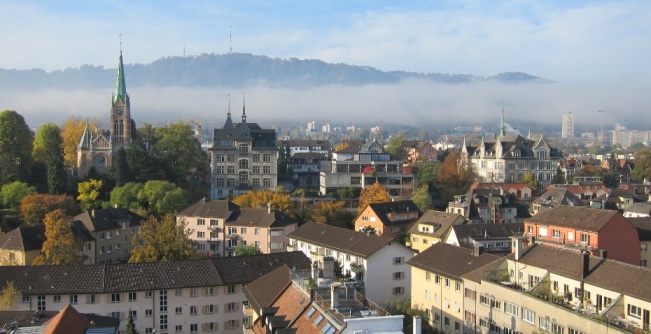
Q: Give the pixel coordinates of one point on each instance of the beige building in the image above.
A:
(388, 219)
(432, 227)
(220, 226)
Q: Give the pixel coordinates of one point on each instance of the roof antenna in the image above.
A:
(230, 35)
(120, 43)
(229, 105)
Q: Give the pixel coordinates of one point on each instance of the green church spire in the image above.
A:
(120, 84)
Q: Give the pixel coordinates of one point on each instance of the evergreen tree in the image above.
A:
(122, 171)
(422, 198)
(131, 325)
(559, 177)
(16, 141)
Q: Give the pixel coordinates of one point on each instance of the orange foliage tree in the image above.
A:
(60, 246)
(33, 208)
(71, 132)
(259, 199)
(376, 193)
(332, 213)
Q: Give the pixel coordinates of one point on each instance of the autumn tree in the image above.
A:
(164, 240)
(88, 193)
(247, 250)
(13, 193)
(33, 208)
(376, 193)
(71, 133)
(60, 247)
(332, 213)
(48, 151)
(126, 196)
(341, 146)
(260, 198)
(456, 172)
(16, 140)
(642, 164)
(530, 179)
(9, 297)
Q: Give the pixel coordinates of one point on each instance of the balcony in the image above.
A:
(247, 310)
(213, 240)
(231, 236)
(215, 229)
(292, 248)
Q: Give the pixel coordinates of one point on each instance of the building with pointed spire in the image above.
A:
(243, 157)
(99, 150)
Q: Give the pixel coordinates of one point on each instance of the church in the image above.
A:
(99, 150)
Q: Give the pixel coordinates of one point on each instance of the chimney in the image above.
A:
(315, 272)
(334, 297)
(603, 253)
(417, 325)
(518, 246)
(368, 232)
(268, 207)
(479, 250)
(585, 263)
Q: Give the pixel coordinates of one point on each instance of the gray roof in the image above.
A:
(209, 209)
(263, 291)
(108, 278)
(340, 239)
(640, 207)
(466, 232)
(439, 220)
(383, 209)
(581, 218)
(108, 219)
(554, 197)
(28, 238)
(449, 260)
(259, 217)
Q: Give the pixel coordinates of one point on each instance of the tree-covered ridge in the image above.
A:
(236, 70)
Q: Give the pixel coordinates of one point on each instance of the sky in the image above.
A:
(598, 45)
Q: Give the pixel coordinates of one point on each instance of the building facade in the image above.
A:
(388, 219)
(99, 150)
(243, 158)
(567, 125)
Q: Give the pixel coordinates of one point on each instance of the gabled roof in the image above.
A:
(89, 279)
(449, 260)
(383, 209)
(108, 219)
(440, 222)
(466, 232)
(580, 218)
(340, 239)
(28, 238)
(554, 197)
(68, 321)
(643, 226)
(259, 217)
(209, 209)
(264, 291)
(640, 207)
(24, 319)
(86, 139)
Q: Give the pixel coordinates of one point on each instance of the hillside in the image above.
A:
(232, 70)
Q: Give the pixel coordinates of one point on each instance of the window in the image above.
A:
(318, 319)
(209, 326)
(57, 298)
(134, 315)
(230, 169)
(398, 290)
(634, 311)
(428, 276)
(193, 310)
(398, 260)
(437, 279)
(643, 248)
(89, 247)
(469, 293)
(214, 222)
(178, 292)
(447, 282)
(149, 294)
(544, 324)
(115, 297)
(149, 312)
(398, 275)
(230, 289)
(556, 233)
(277, 245)
(194, 328)
(210, 291)
(178, 310)
(446, 321)
(277, 233)
(311, 311)
(90, 299)
(201, 235)
(230, 324)
(557, 329)
(73, 299)
(230, 307)
(483, 323)
(585, 238)
(201, 222)
(266, 169)
(116, 315)
(457, 326)
(163, 321)
(209, 309)
(243, 230)
(528, 316)
(511, 309)
(457, 286)
(193, 292)
(162, 300)
(266, 182)
(571, 330)
(256, 169)
(178, 328)
(149, 330)
(132, 296)
(41, 303)
(266, 157)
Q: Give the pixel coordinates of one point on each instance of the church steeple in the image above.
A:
(120, 84)
(229, 123)
(243, 109)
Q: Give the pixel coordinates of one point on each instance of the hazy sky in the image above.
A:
(597, 51)
(560, 40)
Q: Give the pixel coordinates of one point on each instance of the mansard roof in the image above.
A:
(513, 146)
(110, 278)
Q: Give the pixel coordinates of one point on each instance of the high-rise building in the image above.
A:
(99, 150)
(567, 125)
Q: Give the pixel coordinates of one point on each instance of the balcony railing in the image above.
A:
(231, 236)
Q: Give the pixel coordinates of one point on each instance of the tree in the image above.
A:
(33, 208)
(259, 199)
(332, 213)
(16, 142)
(162, 197)
(341, 146)
(88, 193)
(559, 177)
(48, 150)
(376, 193)
(456, 172)
(13, 193)
(531, 179)
(403, 307)
(163, 240)
(422, 198)
(126, 196)
(131, 325)
(243, 250)
(122, 171)
(396, 147)
(71, 133)
(179, 149)
(642, 164)
(60, 246)
(9, 297)
(143, 164)
(426, 172)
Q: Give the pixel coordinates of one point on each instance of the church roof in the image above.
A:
(85, 138)
(120, 83)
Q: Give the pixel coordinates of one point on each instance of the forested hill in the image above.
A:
(232, 70)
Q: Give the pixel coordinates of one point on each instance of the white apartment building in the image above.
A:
(567, 125)
(163, 297)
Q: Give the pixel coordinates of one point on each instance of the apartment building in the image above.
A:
(643, 226)
(219, 226)
(388, 219)
(554, 197)
(163, 297)
(489, 206)
(432, 227)
(377, 263)
(494, 238)
(293, 146)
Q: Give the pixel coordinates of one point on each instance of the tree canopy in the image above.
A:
(33, 208)
(332, 213)
(164, 240)
(396, 147)
(422, 198)
(642, 164)
(71, 133)
(259, 199)
(9, 297)
(16, 140)
(48, 150)
(376, 193)
(247, 250)
(12, 194)
(88, 193)
(60, 246)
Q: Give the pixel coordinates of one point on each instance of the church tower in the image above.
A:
(120, 131)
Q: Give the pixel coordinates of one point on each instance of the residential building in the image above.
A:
(377, 263)
(362, 166)
(438, 285)
(642, 209)
(585, 192)
(388, 219)
(523, 191)
(643, 226)
(508, 158)
(432, 227)
(626, 138)
(567, 125)
(283, 301)
(243, 158)
(588, 229)
(293, 146)
(99, 150)
(174, 296)
(66, 321)
(113, 230)
(23, 244)
(420, 150)
(220, 226)
(306, 168)
(554, 197)
(494, 238)
(489, 206)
